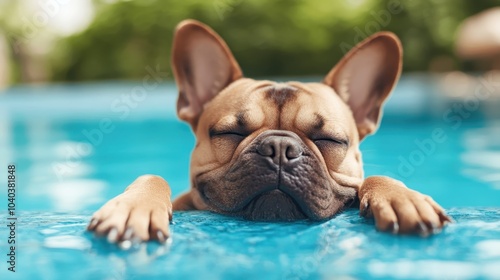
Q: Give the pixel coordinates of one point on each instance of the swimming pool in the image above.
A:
(76, 146)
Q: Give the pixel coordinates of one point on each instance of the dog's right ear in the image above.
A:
(203, 65)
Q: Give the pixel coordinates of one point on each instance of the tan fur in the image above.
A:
(237, 120)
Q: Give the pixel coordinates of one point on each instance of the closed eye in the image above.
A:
(215, 133)
(331, 140)
(228, 133)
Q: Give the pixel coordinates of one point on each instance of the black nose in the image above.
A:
(281, 149)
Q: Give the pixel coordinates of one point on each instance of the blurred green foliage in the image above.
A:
(268, 38)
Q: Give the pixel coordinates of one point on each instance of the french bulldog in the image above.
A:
(273, 151)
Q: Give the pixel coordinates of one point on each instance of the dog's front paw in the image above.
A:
(134, 216)
(398, 209)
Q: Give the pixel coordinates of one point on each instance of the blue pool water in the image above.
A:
(77, 146)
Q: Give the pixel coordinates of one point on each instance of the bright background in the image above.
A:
(82, 40)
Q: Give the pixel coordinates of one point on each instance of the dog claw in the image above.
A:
(161, 237)
(129, 240)
(92, 224)
(446, 219)
(422, 229)
(365, 210)
(113, 235)
(128, 234)
(394, 227)
(125, 245)
(436, 230)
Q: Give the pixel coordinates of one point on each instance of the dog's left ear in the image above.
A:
(203, 65)
(365, 76)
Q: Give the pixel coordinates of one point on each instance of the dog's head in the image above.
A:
(278, 151)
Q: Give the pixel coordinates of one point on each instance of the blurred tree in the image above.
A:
(10, 28)
(268, 38)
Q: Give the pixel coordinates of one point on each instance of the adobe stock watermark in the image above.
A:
(222, 7)
(32, 25)
(122, 107)
(453, 117)
(379, 20)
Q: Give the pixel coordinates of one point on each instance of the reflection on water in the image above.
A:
(433, 269)
(482, 154)
(488, 248)
(67, 242)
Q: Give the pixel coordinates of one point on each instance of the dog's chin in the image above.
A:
(273, 205)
